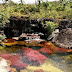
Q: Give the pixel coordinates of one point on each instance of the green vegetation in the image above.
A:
(61, 9)
(2, 37)
(55, 10)
(49, 28)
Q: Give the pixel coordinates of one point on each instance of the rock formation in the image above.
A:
(19, 25)
(64, 38)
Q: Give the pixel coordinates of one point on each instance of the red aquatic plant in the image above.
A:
(33, 56)
(15, 60)
(5, 56)
(19, 64)
(56, 49)
(46, 50)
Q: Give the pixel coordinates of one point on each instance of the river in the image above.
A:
(55, 62)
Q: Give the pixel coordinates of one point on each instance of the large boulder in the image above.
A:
(64, 38)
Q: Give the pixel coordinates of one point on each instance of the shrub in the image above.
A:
(34, 9)
(16, 10)
(49, 28)
(52, 14)
(68, 14)
(3, 19)
(2, 37)
(45, 5)
(22, 10)
(59, 8)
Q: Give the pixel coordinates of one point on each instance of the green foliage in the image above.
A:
(68, 14)
(60, 8)
(3, 19)
(34, 9)
(53, 14)
(45, 4)
(22, 10)
(16, 10)
(54, 10)
(49, 28)
(2, 37)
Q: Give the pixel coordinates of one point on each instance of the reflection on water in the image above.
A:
(57, 62)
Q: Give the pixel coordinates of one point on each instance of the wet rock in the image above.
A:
(4, 65)
(64, 38)
(16, 38)
(9, 42)
(33, 56)
(46, 51)
(54, 34)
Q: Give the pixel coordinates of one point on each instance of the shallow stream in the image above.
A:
(56, 62)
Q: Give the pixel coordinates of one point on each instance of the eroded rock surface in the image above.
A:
(64, 38)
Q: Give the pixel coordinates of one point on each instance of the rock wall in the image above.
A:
(16, 26)
(19, 25)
